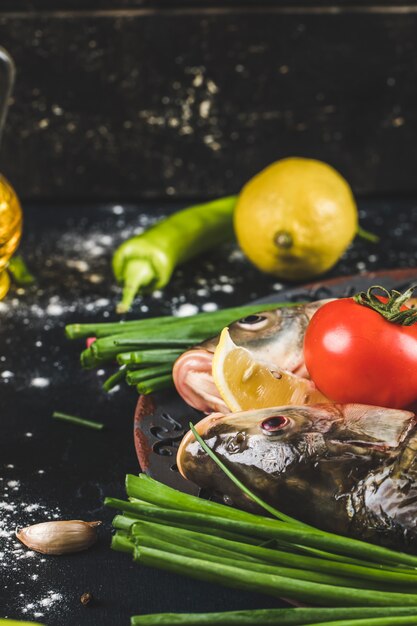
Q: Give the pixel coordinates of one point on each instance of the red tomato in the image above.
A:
(353, 354)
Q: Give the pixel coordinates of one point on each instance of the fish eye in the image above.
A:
(275, 423)
(252, 320)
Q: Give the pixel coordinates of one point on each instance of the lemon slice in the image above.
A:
(245, 383)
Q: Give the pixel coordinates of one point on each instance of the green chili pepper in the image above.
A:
(147, 261)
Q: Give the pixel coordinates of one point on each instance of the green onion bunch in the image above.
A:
(278, 555)
(145, 350)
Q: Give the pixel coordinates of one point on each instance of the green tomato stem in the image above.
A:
(392, 310)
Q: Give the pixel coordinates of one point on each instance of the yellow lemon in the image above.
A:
(296, 218)
(245, 383)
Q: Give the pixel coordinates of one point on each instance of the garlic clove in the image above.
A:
(61, 537)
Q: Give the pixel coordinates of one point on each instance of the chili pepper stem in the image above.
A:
(138, 273)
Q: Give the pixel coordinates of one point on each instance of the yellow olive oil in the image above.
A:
(10, 230)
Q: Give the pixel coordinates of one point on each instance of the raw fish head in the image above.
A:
(294, 456)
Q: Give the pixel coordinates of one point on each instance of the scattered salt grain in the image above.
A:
(78, 264)
(185, 309)
(54, 309)
(7, 374)
(40, 382)
(236, 255)
(101, 302)
(28, 554)
(96, 251)
(208, 307)
(6, 506)
(18, 513)
(95, 278)
(28, 435)
(50, 599)
(37, 607)
(118, 209)
(31, 507)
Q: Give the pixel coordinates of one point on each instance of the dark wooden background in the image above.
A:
(128, 99)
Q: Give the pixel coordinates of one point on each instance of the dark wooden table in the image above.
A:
(55, 470)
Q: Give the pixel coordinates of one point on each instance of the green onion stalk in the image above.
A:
(78, 421)
(275, 585)
(282, 617)
(169, 326)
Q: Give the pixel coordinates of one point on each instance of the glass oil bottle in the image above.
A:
(10, 209)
